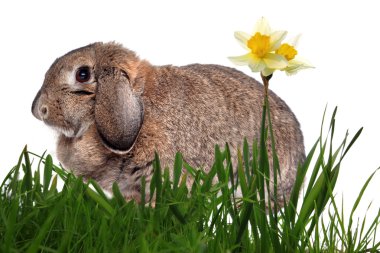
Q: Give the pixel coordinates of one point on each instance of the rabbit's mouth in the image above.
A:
(69, 127)
(71, 132)
(65, 131)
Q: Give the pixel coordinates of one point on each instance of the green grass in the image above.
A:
(36, 217)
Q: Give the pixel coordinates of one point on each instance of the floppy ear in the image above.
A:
(119, 111)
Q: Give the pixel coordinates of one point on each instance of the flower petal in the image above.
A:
(267, 72)
(276, 38)
(256, 64)
(262, 26)
(275, 61)
(297, 65)
(243, 38)
(241, 60)
(294, 41)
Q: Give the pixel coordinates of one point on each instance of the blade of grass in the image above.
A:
(101, 201)
(178, 165)
(34, 247)
(47, 173)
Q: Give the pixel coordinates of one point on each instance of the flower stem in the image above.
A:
(266, 83)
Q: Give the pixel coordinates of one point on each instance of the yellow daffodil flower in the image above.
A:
(262, 46)
(288, 50)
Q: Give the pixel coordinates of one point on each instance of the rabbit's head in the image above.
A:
(68, 96)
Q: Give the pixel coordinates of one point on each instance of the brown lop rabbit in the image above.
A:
(113, 111)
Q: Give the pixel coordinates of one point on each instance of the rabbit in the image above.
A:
(112, 111)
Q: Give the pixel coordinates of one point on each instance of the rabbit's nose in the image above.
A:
(40, 109)
(44, 111)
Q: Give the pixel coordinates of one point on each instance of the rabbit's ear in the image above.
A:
(119, 111)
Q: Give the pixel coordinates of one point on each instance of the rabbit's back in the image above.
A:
(204, 105)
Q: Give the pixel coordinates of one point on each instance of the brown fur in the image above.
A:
(111, 127)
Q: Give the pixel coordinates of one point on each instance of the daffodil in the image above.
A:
(262, 46)
(288, 50)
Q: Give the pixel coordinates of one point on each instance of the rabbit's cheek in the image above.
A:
(78, 116)
(81, 127)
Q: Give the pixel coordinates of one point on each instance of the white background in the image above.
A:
(341, 38)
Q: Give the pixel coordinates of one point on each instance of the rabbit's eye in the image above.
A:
(83, 74)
